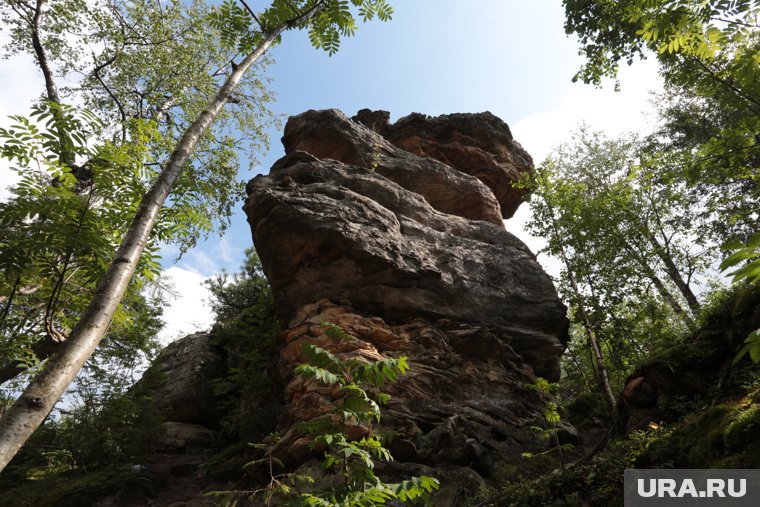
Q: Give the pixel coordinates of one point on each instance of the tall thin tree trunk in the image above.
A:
(660, 286)
(51, 90)
(603, 377)
(38, 399)
(675, 275)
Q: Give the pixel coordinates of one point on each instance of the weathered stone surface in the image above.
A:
(409, 255)
(189, 365)
(461, 403)
(329, 134)
(327, 230)
(180, 436)
(480, 145)
(655, 384)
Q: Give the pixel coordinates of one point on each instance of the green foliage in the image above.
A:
(348, 463)
(242, 29)
(71, 489)
(103, 429)
(587, 406)
(548, 432)
(751, 347)
(611, 32)
(57, 231)
(157, 62)
(745, 254)
(121, 426)
(355, 459)
(231, 295)
(749, 255)
(541, 482)
(630, 247)
(247, 329)
(719, 436)
(710, 111)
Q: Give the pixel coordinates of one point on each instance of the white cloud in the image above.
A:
(227, 253)
(601, 109)
(187, 311)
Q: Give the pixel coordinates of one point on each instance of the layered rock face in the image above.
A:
(395, 233)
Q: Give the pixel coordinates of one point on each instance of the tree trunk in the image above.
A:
(675, 275)
(603, 377)
(38, 399)
(674, 304)
(660, 286)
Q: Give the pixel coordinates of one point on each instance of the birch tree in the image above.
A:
(629, 243)
(247, 35)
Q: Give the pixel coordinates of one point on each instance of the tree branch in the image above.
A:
(122, 113)
(253, 15)
(66, 157)
(292, 8)
(734, 22)
(24, 11)
(42, 60)
(728, 84)
(9, 302)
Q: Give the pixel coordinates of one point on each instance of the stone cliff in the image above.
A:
(394, 232)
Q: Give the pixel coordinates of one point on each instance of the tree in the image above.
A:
(252, 35)
(137, 60)
(710, 120)
(611, 32)
(629, 246)
(230, 297)
(543, 194)
(57, 233)
(711, 109)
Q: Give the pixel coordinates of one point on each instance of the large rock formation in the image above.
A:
(395, 233)
(480, 145)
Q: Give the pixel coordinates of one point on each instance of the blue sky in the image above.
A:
(510, 57)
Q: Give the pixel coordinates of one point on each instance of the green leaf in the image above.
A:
(737, 258)
(732, 245)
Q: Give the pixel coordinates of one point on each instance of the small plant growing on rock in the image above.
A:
(350, 479)
(352, 461)
(549, 431)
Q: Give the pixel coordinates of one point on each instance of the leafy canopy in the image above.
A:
(336, 19)
(624, 30)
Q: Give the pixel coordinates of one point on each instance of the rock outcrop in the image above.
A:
(188, 367)
(480, 145)
(395, 233)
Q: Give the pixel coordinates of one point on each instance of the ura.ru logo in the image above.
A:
(715, 488)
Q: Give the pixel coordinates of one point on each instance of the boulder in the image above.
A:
(189, 366)
(462, 398)
(324, 229)
(329, 134)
